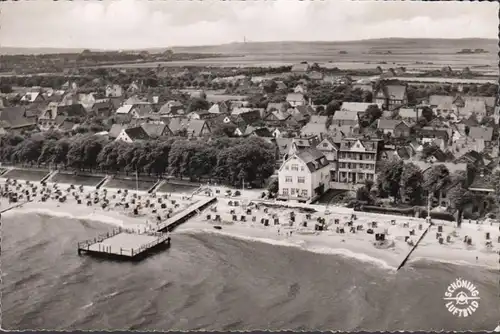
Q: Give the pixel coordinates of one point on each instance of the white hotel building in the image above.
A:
(304, 175)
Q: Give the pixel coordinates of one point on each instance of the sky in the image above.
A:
(135, 24)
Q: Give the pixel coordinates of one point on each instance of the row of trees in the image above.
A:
(401, 180)
(228, 160)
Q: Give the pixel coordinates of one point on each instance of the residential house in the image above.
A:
(280, 106)
(193, 127)
(300, 89)
(391, 96)
(103, 108)
(284, 145)
(304, 175)
(114, 91)
(357, 160)
(219, 108)
(345, 117)
(408, 115)
(473, 107)
(171, 107)
(315, 75)
(156, 130)
(281, 86)
(366, 87)
(296, 99)
(359, 107)
(314, 129)
(277, 117)
(481, 133)
(429, 134)
(87, 100)
(303, 143)
(32, 97)
(395, 128)
(330, 150)
(13, 119)
(139, 110)
(133, 134)
(115, 130)
(301, 68)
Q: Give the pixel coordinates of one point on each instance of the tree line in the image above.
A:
(406, 182)
(227, 160)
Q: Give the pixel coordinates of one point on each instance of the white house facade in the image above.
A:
(304, 176)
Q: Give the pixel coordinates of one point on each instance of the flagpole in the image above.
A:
(136, 182)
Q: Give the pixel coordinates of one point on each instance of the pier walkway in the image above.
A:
(172, 222)
(127, 245)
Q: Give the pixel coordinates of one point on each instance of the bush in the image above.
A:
(438, 215)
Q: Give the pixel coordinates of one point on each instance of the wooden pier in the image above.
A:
(172, 222)
(122, 244)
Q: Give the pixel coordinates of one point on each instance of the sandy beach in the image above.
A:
(334, 230)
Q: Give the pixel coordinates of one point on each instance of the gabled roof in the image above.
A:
(356, 106)
(263, 132)
(196, 126)
(407, 113)
(344, 115)
(393, 92)
(479, 132)
(314, 129)
(115, 130)
(156, 130)
(137, 133)
(125, 109)
(295, 97)
(276, 106)
(318, 119)
(388, 124)
(313, 158)
(284, 144)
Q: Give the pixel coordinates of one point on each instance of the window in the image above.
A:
(288, 179)
(285, 191)
(301, 168)
(301, 179)
(287, 168)
(292, 191)
(295, 167)
(304, 192)
(325, 144)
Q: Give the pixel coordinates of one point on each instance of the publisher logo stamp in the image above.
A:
(462, 298)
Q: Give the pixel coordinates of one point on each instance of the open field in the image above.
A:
(85, 180)
(25, 174)
(176, 187)
(131, 184)
(414, 54)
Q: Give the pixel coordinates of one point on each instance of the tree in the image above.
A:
(427, 113)
(273, 187)
(459, 198)
(332, 107)
(389, 179)
(437, 177)
(411, 183)
(197, 104)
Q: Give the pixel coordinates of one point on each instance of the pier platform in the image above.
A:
(120, 244)
(125, 245)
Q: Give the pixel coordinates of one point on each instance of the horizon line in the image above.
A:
(239, 42)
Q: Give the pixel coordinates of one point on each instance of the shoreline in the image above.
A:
(359, 246)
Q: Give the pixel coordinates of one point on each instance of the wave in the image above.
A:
(297, 244)
(95, 217)
(453, 262)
